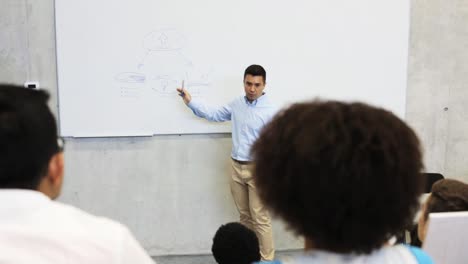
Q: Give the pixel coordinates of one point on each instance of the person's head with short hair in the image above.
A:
(447, 195)
(254, 81)
(30, 156)
(346, 176)
(234, 243)
(255, 70)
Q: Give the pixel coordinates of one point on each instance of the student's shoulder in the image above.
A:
(81, 219)
(421, 256)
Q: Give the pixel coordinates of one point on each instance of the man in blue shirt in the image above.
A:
(248, 113)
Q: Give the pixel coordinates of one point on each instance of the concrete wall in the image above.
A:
(437, 94)
(172, 191)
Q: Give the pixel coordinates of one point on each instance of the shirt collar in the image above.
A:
(13, 198)
(254, 102)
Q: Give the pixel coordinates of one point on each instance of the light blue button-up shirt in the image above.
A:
(248, 118)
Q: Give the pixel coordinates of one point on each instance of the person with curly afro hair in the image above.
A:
(345, 176)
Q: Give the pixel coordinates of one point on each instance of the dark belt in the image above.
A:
(242, 162)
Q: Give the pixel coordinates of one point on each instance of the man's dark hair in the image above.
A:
(28, 137)
(347, 176)
(256, 70)
(234, 243)
(447, 196)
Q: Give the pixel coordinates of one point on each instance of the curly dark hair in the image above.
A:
(234, 243)
(447, 196)
(347, 176)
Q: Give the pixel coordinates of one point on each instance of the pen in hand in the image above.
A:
(184, 93)
(182, 90)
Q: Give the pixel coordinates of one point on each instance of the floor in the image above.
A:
(205, 259)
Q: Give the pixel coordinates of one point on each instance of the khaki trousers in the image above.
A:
(252, 212)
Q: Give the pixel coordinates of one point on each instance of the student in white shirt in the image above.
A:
(33, 227)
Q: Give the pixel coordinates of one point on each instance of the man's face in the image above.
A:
(253, 86)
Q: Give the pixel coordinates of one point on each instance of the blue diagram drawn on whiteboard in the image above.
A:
(163, 66)
(164, 40)
(130, 77)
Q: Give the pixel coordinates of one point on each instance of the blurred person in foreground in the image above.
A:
(345, 176)
(33, 227)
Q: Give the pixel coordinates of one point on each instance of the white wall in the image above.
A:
(140, 181)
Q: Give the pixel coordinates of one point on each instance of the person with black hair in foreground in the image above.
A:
(33, 227)
(345, 176)
(234, 243)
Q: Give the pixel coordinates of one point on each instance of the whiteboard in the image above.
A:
(119, 62)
